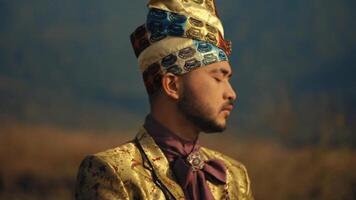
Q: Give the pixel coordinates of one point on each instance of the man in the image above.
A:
(183, 58)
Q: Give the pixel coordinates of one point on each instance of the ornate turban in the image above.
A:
(180, 35)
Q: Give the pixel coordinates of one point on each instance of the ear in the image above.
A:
(170, 85)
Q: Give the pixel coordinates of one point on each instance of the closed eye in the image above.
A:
(217, 79)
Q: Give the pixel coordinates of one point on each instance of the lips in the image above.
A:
(228, 108)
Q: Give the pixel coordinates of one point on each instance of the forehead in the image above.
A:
(217, 66)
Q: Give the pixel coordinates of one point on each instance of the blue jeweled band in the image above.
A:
(199, 54)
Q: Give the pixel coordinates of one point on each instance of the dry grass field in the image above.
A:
(40, 162)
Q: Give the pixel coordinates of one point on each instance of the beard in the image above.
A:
(199, 114)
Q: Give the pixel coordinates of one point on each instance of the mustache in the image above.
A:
(229, 103)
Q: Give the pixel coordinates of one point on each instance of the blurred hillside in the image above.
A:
(71, 64)
(41, 162)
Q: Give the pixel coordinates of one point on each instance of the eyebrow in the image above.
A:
(225, 72)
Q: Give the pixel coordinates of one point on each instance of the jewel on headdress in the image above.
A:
(204, 47)
(191, 64)
(222, 55)
(195, 33)
(211, 38)
(211, 28)
(187, 52)
(196, 22)
(169, 60)
(209, 59)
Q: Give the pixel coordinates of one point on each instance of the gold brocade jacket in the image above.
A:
(140, 170)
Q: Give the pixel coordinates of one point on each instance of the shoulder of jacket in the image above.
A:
(121, 156)
(98, 175)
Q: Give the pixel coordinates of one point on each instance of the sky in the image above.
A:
(70, 63)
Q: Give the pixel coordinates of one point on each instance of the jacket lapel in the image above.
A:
(159, 163)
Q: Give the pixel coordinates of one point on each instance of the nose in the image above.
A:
(230, 93)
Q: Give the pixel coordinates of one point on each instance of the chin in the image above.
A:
(222, 121)
(222, 126)
(216, 127)
(215, 130)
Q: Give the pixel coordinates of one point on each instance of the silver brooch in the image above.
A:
(196, 160)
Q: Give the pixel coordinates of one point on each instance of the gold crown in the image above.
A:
(203, 10)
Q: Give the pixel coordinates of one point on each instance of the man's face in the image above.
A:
(207, 96)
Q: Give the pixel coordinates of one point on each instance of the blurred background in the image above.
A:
(70, 86)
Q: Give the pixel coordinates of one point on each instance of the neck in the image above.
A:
(175, 121)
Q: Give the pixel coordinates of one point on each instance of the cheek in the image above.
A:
(204, 90)
(203, 83)
(207, 94)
